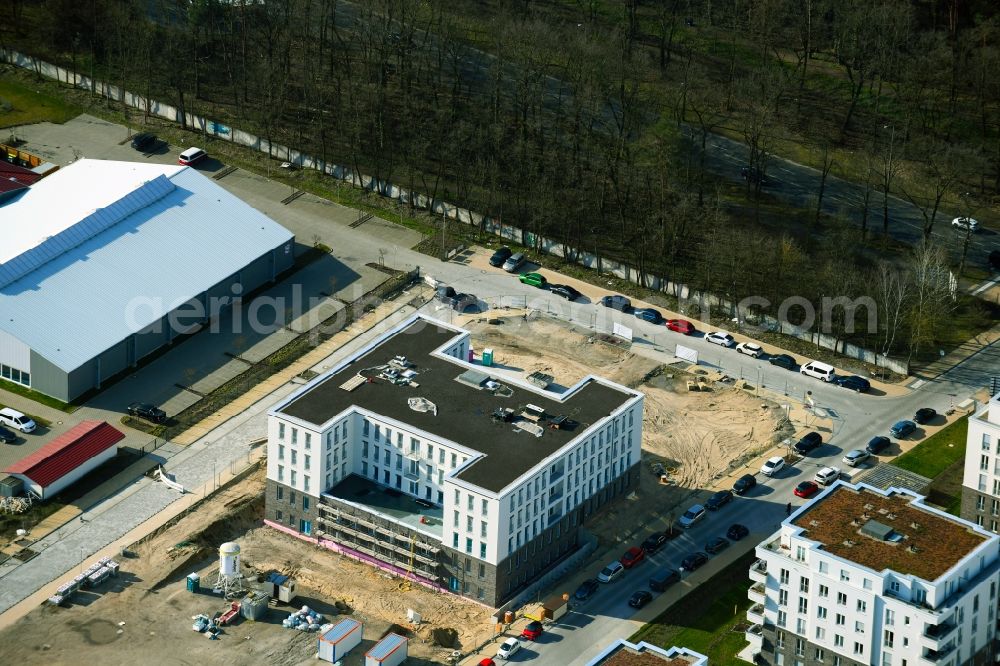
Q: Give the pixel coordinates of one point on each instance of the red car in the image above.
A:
(680, 326)
(805, 489)
(532, 631)
(487, 662)
(632, 557)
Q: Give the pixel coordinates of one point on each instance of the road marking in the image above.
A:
(917, 384)
(984, 286)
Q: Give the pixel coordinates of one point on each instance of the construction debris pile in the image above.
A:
(304, 619)
(92, 577)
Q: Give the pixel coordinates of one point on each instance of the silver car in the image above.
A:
(513, 263)
(856, 457)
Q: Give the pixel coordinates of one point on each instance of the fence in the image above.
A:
(436, 206)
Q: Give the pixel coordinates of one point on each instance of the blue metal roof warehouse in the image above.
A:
(100, 253)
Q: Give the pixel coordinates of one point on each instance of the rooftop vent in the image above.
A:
(915, 526)
(422, 405)
(913, 549)
(876, 530)
(474, 378)
(402, 362)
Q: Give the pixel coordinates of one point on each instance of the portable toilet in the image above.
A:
(390, 651)
(488, 357)
(194, 583)
(343, 637)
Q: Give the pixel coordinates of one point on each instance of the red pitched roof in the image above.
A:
(13, 177)
(67, 452)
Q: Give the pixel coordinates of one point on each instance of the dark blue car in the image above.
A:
(877, 444)
(650, 315)
(855, 383)
(902, 429)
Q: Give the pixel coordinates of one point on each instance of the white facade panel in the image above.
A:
(14, 353)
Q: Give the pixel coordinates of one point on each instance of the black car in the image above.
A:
(617, 302)
(143, 141)
(147, 411)
(650, 315)
(586, 589)
(640, 598)
(500, 256)
(744, 484)
(783, 361)
(663, 579)
(654, 542)
(854, 383)
(878, 444)
(924, 415)
(719, 500)
(717, 545)
(809, 441)
(737, 531)
(566, 291)
(693, 561)
(7, 436)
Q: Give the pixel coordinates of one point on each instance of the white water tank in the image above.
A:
(229, 559)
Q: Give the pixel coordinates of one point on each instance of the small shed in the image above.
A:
(280, 587)
(67, 458)
(390, 651)
(343, 637)
(256, 605)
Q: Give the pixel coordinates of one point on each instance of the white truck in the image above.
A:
(827, 475)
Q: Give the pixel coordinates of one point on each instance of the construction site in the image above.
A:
(215, 585)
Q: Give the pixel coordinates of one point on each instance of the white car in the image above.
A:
(773, 466)
(721, 338)
(856, 457)
(610, 572)
(692, 516)
(965, 223)
(750, 349)
(508, 647)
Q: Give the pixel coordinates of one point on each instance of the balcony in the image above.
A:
(758, 571)
(555, 495)
(755, 614)
(936, 656)
(937, 634)
(756, 593)
(755, 635)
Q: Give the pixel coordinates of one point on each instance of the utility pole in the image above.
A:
(444, 229)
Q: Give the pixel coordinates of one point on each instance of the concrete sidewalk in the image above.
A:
(961, 353)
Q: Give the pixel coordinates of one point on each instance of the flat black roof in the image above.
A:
(464, 413)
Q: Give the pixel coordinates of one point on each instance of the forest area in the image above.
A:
(589, 122)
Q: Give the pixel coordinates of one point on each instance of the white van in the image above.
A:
(191, 156)
(818, 370)
(16, 420)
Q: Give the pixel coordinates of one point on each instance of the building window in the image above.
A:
(820, 633)
(293, 477)
(804, 585)
(982, 483)
(456, 519)
(281, 472)
(859, 627)
(471, 503)
(980, 503)
(803, 605)
(468, 545)
(890, 617)
(979, 521)
(841, 598)
(866, 583)
(305, 482)
(823, 567)
(859, 648)
(485, 508)
(277, 516)
(468, 523)
(820, 655)
(454, 541)
(862, 606)
(800, 647)
(295, 456)
(308, 440)
(414, 445)
(838, 640)
(281, 431)
(482, 554)
(305, 502)
(824, 591)
(364, 468)
(779, 639)
(782, 618)
(888, 639)
(482, 529)
(840, 620)
(306, 462)
(784, 577)
(454, 460)
(295, 436)
(986, 441)
(821, 612)
(280, 492)
(782, 597)
(995, 508)
(281, 451)
(845, 576)
(984, 462)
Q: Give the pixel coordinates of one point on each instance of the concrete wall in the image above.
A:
(48, 379)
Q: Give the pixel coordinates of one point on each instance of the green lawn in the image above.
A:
(705, 619)
(49, 401)
(21, 103)
(938, 452)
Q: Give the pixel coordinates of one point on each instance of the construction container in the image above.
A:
(11, 487)
(194, 583)
(280, 587)
(255, 605)
(390, 651)
(488, 357)
(341, 639)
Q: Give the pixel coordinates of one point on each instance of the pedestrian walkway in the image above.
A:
(957, 355)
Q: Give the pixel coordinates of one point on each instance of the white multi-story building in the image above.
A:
(408, 456)
(865, 576)
(981, 480)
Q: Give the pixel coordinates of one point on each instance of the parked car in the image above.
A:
(721, 338)
(533, 280)
(617, 302)
(717, 545)
(818, 370)
(693, 561)
(856, 457)
(640, 598)
(924, 415)
(854, 383)
(500, 256)
(7, 436)
(651, 315)
(966, 223)
(783, 361)
(809, 441)
(663, 579)
(680, 326)
(805, 489)
(654, 542)
(719, 500)
(632, 557)
(737, 531)
(144, 410)
(826, 476)
(143, 141)
(586, 589)
(508, 648)
(692, 516)
(610, 572)
(877, 444)
(750, 349)
(16, 420)
(191, 156)
(514, 262)
(486, 662)
(773, 466)
(744, 484)
(901, 429)
(566, 291)
(532, 631)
